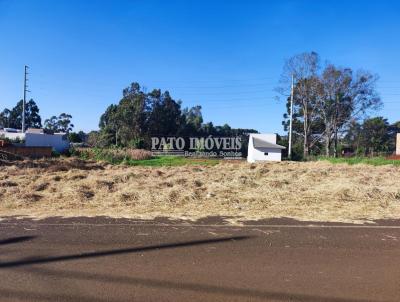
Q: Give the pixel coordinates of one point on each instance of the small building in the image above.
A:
(398, 144)
(38, 138)
(263, 147)
(12, 134)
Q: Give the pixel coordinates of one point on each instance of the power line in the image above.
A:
(215, 80)
(226, 93)
(228, 100)
(222, 86)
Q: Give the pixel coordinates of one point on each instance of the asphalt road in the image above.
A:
(120, 260)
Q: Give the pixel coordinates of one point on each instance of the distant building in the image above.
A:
(263, 147)
(398, 144)
(12, 134)
(38, 138)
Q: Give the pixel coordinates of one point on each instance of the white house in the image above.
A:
(37, 138)
(12, 134)
(263, 147)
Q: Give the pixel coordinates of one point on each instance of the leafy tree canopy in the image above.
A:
(61, 123)
(13, 118)
(139, 115)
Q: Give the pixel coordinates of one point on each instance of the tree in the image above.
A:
(51, 124)
(75, 137)
(5, 118)
(139, 115)
(224, 130)
(13, 118)
(352, 138)
(132, 116)
(193, 120)
(165, 117)
(375, 135)
(108, 118)
(346, 97)
(324, 104)
(94, 140)
(299, 151)
(393, 130)
(209, 129)
(109, 125)
(62, 123)
(304, 70)
(335, 107)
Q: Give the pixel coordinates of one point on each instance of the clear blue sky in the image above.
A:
(226, 56)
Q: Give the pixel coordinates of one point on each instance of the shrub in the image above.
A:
(113, 155)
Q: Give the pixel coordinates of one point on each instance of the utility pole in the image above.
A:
(24, 100)
(291, 119)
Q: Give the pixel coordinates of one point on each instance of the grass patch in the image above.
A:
(375, 161)
(137, 157)
(162, 161)
(112, 155)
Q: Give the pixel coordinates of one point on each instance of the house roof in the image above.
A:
(35, 130)
(260, 143)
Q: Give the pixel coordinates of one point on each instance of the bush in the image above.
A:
(16, 140)
(112, 155)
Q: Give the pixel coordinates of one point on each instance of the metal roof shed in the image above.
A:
(263, 147)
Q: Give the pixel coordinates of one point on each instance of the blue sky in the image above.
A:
(226, 56)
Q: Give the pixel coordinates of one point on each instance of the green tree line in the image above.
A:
(12, 118)
(140, 115)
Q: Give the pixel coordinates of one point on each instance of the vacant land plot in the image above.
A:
(316, 191)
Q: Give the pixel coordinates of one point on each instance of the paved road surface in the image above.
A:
(119, 260)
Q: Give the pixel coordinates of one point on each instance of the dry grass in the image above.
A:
(113, 155)
(315, 191)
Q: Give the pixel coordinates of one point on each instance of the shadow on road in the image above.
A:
(176, 285)
(30, 261)
(16, 239)
(16, 295)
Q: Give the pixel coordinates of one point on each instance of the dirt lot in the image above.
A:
(314, 191)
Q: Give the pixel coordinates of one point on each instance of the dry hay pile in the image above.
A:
(315, 191)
